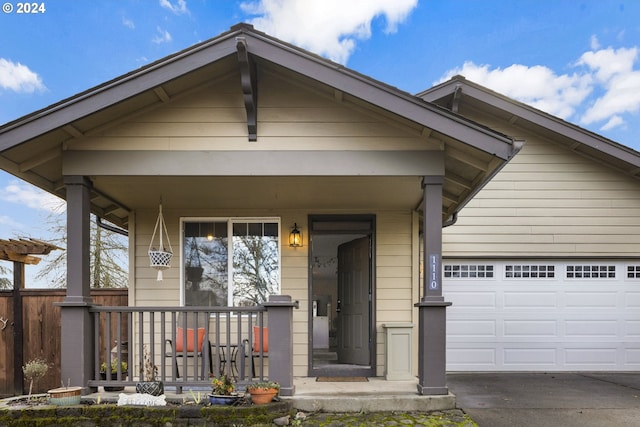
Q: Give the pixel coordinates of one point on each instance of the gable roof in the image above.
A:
(31, 147)
(458, 94)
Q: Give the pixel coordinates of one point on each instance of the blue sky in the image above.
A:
(577, 59)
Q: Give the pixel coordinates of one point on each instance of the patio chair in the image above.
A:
(194, 343)
(259, 346)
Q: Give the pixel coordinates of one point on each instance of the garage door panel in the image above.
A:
(587, 358)
(590, 300)
(514, 299)
(478, 328)
(632, 357)
(525, 358)
(570, 317)
(591, 328)
(476, 299)
(530, 328)
(632, 329)
(632, 300)
(470, 356)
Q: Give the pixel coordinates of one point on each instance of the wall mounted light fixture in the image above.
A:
(295, 237)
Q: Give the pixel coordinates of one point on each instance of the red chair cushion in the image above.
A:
(190, 339)
(256, 339)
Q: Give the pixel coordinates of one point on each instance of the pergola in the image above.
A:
(22, 251)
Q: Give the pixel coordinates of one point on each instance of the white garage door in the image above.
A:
(542, 316)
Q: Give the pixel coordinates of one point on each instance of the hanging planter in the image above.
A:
(160, 256)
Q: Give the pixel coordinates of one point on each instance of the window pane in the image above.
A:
(205, 255)
(255, 265)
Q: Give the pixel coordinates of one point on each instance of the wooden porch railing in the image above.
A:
(226, 347)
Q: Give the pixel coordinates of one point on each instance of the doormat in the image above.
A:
(342, 379)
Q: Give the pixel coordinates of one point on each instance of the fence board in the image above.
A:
(6, 344)
(41, 320)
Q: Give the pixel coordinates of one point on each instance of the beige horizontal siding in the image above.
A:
(549, 201)
(214, 118)
(394, 271)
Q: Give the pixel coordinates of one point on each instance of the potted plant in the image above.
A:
(65, 395)
(222, 391)
(148, 372)
(34, 370)
(113, 373)
(263, 391)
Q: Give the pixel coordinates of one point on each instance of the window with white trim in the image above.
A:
(464, 271)
(526, 271)
(591, 271)
(221, 271)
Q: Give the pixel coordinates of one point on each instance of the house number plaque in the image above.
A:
(434, 266)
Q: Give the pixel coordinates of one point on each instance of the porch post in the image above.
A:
(432, 307)
(77, 350)
(280, 318)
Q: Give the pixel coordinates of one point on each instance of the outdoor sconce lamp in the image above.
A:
(295, 237)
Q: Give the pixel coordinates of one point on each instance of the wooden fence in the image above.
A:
(39, 329)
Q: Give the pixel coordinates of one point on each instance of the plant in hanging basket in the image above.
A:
(263, 391)
(148, 372)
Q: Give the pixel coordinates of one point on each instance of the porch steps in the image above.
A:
(376, 395)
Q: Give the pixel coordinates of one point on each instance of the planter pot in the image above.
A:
(260, 396)
(103, 376)
(154, 388)
(215, 399)
(63, 396)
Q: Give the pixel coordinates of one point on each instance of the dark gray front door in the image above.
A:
(353, 302)
(342, 292)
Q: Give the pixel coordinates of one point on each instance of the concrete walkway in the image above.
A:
(548, 399)
(375, 395)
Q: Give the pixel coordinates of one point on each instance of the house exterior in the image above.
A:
(244, 139)
(241, 139)
(553, 241)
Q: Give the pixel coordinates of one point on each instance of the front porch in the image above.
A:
(226, 346)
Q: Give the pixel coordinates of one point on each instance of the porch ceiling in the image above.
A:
(190, 194)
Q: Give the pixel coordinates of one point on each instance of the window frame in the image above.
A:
(230, 221)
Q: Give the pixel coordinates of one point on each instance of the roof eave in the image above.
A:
(533, 115)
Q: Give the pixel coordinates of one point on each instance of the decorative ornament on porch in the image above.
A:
(148, 383)
(160, 257)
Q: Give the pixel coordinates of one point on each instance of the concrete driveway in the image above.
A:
(548, 399)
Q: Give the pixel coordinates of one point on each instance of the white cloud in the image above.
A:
(604, 88)
(179, 7)
(614, 122)
(31, 197)
(163, 36)
(19, 78)
(622, 95)
(128, 23)
(614, 70)
(607, 63)
(537, 86)
(328, 27)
